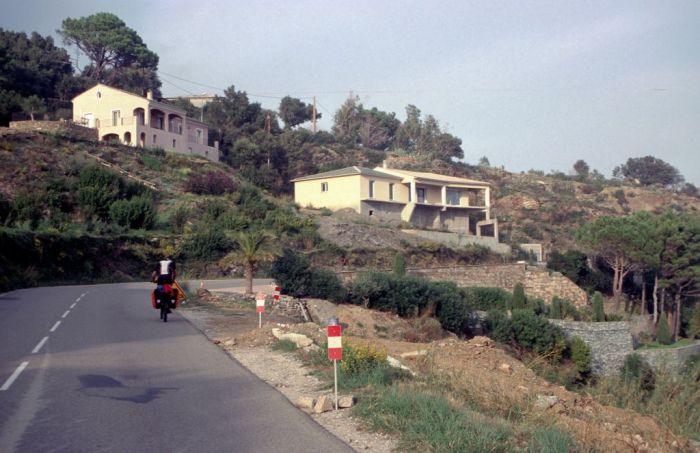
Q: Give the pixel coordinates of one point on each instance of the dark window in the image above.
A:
(371, 189)
(391, 191)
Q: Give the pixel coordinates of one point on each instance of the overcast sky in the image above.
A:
(529, 84)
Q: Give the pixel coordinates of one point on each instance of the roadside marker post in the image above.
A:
(260, 307)
(276, 290)
(335, 353)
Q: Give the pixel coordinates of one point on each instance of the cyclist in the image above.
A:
(164, 276)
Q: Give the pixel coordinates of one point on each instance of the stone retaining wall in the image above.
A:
(61, 127)
(669, 358)
(609, 342)
(537, 282)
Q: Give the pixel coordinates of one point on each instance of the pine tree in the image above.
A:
(519, 299)
(663, 334)
(556, 312)
(598, 309)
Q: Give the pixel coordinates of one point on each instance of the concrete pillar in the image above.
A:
(413, 193)
(444, 195)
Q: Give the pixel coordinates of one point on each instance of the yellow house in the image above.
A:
(141, 121)
(425, 200)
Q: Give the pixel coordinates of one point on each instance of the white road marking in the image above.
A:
(14, 376)
(73, 306)
(55, 326)
(65, 314)
(38, 347)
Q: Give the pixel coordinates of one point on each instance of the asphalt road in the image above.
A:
(92, 368)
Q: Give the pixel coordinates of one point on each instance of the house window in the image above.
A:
(200, 133)
(99, 95)
(174, 143)
(371, 189)
(391, 191)
(324, 187)
(154, 138)
(453, 197)
(116, 114)
(420, 193)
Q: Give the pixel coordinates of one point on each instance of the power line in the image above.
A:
(177, 86)
(219, 88)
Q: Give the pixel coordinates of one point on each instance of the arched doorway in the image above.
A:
(142, 140)
(127, 138)
(111, 138)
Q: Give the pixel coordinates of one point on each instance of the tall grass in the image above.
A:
(427, 422)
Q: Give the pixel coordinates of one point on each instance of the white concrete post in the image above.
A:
(444, 195)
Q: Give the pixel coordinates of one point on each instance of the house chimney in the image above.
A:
(216, 144)
(149, 95)
(384, 163)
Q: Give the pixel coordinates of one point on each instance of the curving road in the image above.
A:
(91, 368)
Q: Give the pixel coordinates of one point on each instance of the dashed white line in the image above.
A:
(65, 314)
(14, 376)
(38, 347)
(74, 304)
(55, 326)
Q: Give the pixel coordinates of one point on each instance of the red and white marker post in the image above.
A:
(276, 291)
(260, 307)
(335, 353)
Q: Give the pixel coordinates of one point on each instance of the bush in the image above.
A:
(485, 298)
(637, 372)
(500, 327)
(663, 334)
(519, 299)
(361, 358)
(294, 274)
(137, 213)
(210, 183)
(581, 355)
(535, 332)
(555, 311)
(453, 309)
(97, 190)
(399, 265)
(598, 308)
(205, 245)
(178, 219)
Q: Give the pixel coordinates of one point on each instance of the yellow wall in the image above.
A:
(381, 189)
(343, 192)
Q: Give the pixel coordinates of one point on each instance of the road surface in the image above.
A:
(92, 368)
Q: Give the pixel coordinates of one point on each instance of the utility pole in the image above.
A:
(267, 122)
(313, 116)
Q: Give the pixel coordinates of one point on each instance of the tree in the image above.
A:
(33, 105)
(620, 241)
(649, 170)
(581, 168)
(253, 247)
(347, 121)
(294, 112)
(117, 53)
(663, 334)
(680, 260)
(598, 308)
(484, 162)
(519, 298)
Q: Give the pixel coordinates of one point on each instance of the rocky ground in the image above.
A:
(488, 376)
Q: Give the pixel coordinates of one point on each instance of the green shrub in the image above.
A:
(137, 213)
(205, 245)
(284, 346)
(399, 265)
(500, 327)
(325, 284)
(178, 219)
(97, 190)
(663, 334)
(519, 299)
(27, 207)
(453, 309)
(485, 298)
(536, 333)
(152, 162)
(555, 311)
(294, 274)
(637, 372)
(581, 355)
(598, 308)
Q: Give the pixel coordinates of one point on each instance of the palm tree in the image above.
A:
(253, 247)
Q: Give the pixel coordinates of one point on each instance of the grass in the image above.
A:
(678, 344)
(427, 422)
(284, 346)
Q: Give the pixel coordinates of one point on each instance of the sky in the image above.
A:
(528, 84)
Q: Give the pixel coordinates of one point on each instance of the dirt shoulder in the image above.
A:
(477, 370)
(235, 329)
